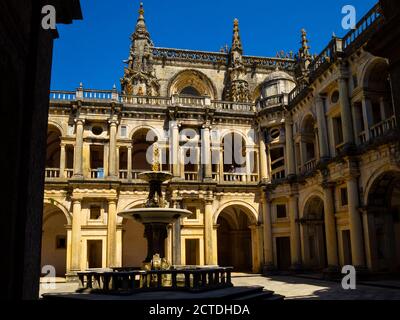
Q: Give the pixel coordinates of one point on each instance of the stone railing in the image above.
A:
(222, 58)
(123, 282)
(139, 100)
(190, 100)
(233, 106)
(273, 101)
(52, 173)
(369, 24)
(62, 95)
(240, 178)
(310, 166)
(191, 176)
(382, 127)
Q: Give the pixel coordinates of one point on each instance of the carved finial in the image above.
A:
(141, 30)
(305, 49)
(236, 41)
(156, 160)
(141, 10)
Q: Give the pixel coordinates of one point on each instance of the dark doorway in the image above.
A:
(283, 253)
(94, 254)
(192, 252)
(346, 247)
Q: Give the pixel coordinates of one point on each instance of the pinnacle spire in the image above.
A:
(236, 41)
(141, 30)
(305, 48)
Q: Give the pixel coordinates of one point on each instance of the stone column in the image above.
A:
(345, 107)
(111, 233)
(268, 245)
(76, 236)
(206, 153)
(330, 228)
(295, 245)
(78, 154)
(62, 160)
(289, 147)
(263, 160)
(174, 150)
(322, 128)
(221, 164)
(208, 231)
(367, 116)
(113, 149)
(356, 235)
(176, 245)
(129, 166)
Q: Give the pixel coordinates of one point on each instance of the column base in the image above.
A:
(72, 276)
(209, 180)
(269, 269)
(291, 178)
(296, 268)
(363, 273)
(332, 273)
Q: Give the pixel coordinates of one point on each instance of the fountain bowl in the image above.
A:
(155, 176)
(155, 215)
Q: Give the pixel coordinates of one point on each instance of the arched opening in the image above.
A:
(142, 155)
(234, 157)
(314, 234)
(383, 212)
(377, 101)
(134, 245)
(235, 239)
(190, 91)
(53, 152)
(308, 144)
(54, 239)
(192, 83)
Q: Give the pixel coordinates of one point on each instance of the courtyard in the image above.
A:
(293, 288)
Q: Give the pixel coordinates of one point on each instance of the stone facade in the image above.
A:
(318, 189)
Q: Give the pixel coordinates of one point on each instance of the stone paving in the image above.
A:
(293, 288)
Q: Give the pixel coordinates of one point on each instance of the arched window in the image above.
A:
(190, 91)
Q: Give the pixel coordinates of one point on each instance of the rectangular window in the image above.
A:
(192, 252)
(281, 211)
(61, 242)
(193, 216)
(338, 130)
(71, 130)
(95, 213)
(124, 131)
(343, 197)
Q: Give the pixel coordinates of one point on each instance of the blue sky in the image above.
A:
(91, 51)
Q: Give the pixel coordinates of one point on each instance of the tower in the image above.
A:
(237, 89)
(139, 76)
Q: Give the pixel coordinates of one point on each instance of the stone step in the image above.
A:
(264, 295)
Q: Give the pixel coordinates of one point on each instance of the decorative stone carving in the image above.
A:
(139, 77)
(237, 89)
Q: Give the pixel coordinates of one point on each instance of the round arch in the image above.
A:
(313, 194)
(54, 125)
(250, 211)
(195, 79)
(307, 117)
(376, 176)
(142, 128)
(373, 64)
(58, 205)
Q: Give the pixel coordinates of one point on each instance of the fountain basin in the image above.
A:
(155, 176)
(155, 215)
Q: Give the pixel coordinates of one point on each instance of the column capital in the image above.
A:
(319, 98)
(112, 200)
(113, 122)
(80, 121)
(76, 200)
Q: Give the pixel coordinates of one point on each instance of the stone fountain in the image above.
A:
(157, 276)
(155, 216)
